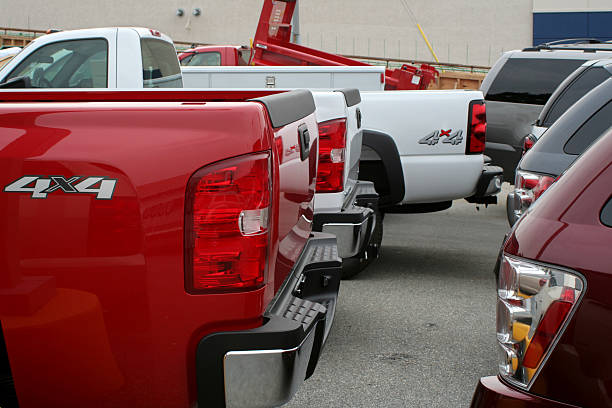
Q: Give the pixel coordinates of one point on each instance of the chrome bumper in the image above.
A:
(489, 185)
(352, 237)
(264, 367)
(265, 378)
(354, 224)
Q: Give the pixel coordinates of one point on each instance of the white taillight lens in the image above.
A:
(534, 303)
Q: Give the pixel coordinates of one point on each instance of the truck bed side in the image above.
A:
(430, 132)
(93, 300)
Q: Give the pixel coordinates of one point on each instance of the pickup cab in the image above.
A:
(157, 248)
(215, 55)
(421, 149)
(115, 57)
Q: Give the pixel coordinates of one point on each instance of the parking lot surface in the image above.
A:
(416, 328)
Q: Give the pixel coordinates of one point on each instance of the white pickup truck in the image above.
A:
(141, 58)
(422, 149)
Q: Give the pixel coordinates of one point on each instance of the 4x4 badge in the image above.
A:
(39, 187)
(454, 138)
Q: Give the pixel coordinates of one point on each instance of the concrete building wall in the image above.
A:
(548, 6)
(462, 31)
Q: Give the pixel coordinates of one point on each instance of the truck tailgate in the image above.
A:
(93, 204)
(430, 131)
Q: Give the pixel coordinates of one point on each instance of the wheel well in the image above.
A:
(380, 163)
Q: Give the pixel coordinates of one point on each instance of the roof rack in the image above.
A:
(574, 41)
(574, 44)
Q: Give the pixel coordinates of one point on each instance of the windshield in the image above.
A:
(209, 59)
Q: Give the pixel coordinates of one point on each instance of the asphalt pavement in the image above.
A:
(417, 327)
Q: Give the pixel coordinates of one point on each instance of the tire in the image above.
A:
(352, 266)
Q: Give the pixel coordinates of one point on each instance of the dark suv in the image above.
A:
(559, 147)
(579, 83)
(519, 85)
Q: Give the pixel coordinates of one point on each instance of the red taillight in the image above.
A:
(534, 183)
(528, 143)
(546, 332)
(477, 128)
(227, 225)
(332, 146)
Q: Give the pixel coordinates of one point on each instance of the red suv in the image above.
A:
(554, 309)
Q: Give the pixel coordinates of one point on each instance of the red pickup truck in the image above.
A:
(156, 248)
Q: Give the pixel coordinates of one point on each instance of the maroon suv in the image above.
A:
(554, 308)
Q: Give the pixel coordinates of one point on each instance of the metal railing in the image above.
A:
(397, 63)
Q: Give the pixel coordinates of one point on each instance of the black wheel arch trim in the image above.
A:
(385, 147)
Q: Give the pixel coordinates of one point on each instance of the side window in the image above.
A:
(208, 59)
(530, 80)
(66, 64)
(594, 127)
(576, 90)
(91, 74)
(160, 66)
(606, 214)
(185, 61)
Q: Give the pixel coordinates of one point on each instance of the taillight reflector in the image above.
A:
(546, 332)
(477, 128)
(534, 301)
(332, 147)
(227, 225)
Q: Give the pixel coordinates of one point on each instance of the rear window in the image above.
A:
(576, 90)
(590, 131)
(208, 59)
(606, 214)
(244, 56)
(530, 80)
(160, 67)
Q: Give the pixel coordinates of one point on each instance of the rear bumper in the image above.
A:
(354, 224)
(265, 366)
(489, 185)
(491, 392)
(505, 156)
